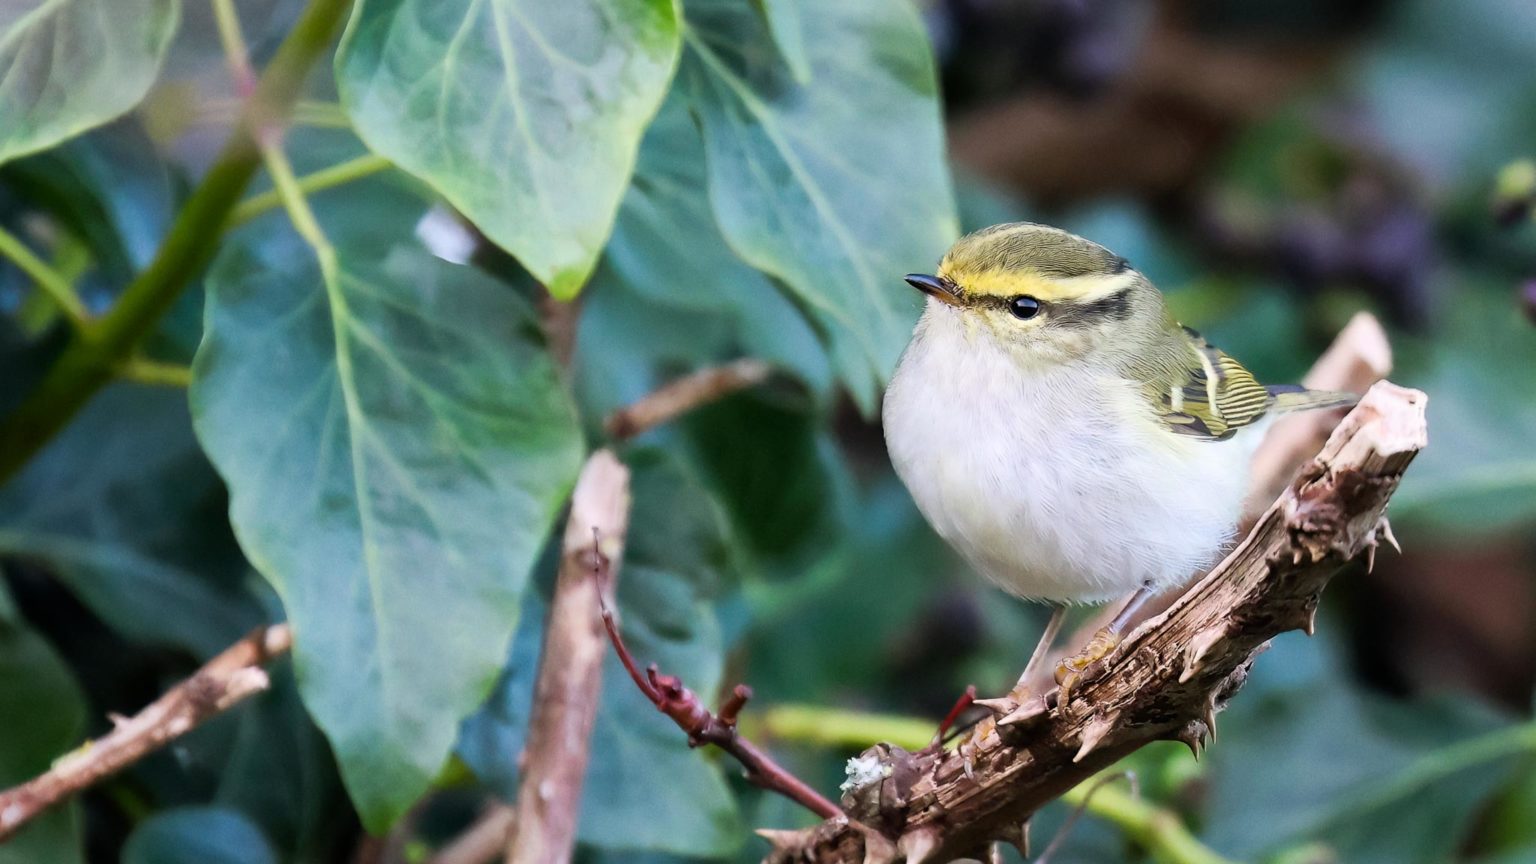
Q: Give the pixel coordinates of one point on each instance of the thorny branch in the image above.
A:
(222, 682)
(1167, 680)
(676, 701)
(1358, 357)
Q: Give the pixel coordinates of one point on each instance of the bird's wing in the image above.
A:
(1207, 394)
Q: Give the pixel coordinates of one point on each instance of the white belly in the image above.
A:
(1057, 484)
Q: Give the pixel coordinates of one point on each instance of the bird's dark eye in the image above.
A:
(1024, 307)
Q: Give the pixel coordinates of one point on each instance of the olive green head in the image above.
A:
(1047, 294)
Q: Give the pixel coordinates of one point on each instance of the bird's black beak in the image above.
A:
(939, 289)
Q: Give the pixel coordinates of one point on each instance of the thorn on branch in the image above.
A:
(683, 706)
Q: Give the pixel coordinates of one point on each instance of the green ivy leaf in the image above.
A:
(42, 715)
(396, 445)
(279, 771)
(836, 196)
(198, 835)
(667, 249)
(525, 115)
(790, 495)
(126, 512)
(1369, 777)
(110, 188)
(783, 18)
(69, 65)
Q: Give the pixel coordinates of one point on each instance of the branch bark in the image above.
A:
(1167, 680)
(570, 667)
(683, 395)
(222, 682)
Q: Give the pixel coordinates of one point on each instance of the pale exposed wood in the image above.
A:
(1167, 680)
(1359, 357)
(570, 667)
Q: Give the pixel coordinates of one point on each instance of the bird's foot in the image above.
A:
(1070, 671)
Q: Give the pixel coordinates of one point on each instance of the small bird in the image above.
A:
(1068, 437)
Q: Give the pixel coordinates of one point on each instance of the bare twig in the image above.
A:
(676, 701)
(1090, 789)
(559, 320)
(570, 667)
(484, 840)
(1166, 680)
(685, 394)
(221, 683)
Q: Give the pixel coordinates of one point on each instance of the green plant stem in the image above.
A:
(321, 115)
(94, 356)
(286, 184)
(1154, 829)
(156, 373)
(1158, 831)
(232, 40)
(326, 178)
(51, 281)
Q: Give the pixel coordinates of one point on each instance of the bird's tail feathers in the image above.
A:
(1290, 397)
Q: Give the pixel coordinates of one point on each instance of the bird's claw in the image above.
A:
(1070, 671)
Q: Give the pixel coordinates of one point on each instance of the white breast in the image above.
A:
(1056, 484)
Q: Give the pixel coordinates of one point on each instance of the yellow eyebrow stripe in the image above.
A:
(1010, 283)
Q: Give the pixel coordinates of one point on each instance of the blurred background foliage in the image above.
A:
(377, 430)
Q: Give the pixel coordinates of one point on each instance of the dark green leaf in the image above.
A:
(1359, 773)
(783, 17)
(198, 835)
(109, 187)
(801, 646)
(280, 773)
(667, 250)
(645, 788)
(125, 509)
(42, 716)
(525, 115)
(836, 196)
(1479, 472)
(788, 494)
(69, 65)
(396, 445)
(491, 740)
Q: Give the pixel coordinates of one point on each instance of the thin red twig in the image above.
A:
(675, 700)
(965, 701)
